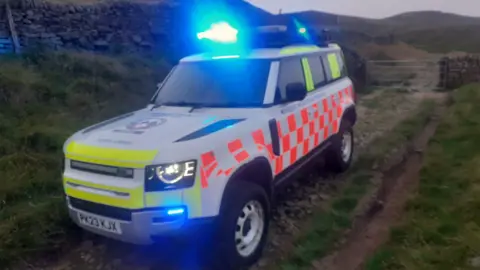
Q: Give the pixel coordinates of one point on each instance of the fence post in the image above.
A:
(11, 27)
(447, 73)
(444, 73)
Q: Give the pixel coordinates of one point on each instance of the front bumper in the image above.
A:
(138, 226)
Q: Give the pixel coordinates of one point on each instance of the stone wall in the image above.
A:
(116, 26)
(458, 71)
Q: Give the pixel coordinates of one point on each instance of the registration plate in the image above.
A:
(101, 223)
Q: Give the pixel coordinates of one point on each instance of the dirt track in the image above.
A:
(373, 227)
(378, 113)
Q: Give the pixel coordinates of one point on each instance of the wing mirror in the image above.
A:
(296, 92)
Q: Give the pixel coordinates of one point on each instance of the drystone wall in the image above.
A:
(115, 26)
(458, 71)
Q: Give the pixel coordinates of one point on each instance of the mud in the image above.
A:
(385, 209)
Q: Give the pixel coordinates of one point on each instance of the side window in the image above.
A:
(341, 65)
(291, 71)
(318, 72)
(334, 66)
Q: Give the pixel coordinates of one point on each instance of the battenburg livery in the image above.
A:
(220, 135)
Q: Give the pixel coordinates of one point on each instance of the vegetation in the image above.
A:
(44, 98)
(328, 226)
(439, 40)
(441, 228)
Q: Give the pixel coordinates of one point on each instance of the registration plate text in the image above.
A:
(101, 223)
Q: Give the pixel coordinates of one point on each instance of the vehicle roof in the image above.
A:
(267, 53)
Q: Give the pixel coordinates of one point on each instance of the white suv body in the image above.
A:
(215, 120)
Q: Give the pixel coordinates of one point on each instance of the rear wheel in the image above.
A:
(243, 226)
(339, 156)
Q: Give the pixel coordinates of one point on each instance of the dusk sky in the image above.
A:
(371, 8)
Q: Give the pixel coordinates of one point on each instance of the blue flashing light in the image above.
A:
(226, 57)
(302, 30)
(175, 211)
(221, 32)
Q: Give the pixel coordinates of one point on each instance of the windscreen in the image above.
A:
(216, 83)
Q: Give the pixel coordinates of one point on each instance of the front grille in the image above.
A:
(101, 209)
(102, 169)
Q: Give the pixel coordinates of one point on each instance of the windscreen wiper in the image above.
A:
(226, 105)
(195, 106)
(181, 104)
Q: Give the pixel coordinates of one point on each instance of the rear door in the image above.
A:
(300, 126)
(339, 87)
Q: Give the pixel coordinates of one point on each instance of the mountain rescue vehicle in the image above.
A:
(221, 134)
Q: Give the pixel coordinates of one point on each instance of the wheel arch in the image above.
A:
(350, 114)
(257, 171)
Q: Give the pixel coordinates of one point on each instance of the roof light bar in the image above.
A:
(220, 32)
(226, 57)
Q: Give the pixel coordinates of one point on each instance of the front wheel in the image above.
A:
(339, 156)
(243, 225)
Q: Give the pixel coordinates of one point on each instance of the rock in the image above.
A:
(376, 206)
(324, 196)
(47, 35)
(475, 262)
(137, 39)
(87, 257)
(31, 35)
(83, 42)
(101, 44)
(263, 263)
(87, 245)
(289, 203)
(117, 262)
(146, 45)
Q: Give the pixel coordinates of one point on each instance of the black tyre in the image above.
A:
(339, 156)
(243, 226)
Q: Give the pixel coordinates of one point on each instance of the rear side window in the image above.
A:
(291, 71)
(318, 73)
(334, 66)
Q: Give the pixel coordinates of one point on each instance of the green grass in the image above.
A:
(328, 226)
(44, 98)
(441, 227)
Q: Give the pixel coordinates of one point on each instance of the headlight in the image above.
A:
(170, 176)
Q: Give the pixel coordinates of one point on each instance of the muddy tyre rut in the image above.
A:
(371, 228)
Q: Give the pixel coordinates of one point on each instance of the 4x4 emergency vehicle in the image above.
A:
(220, 135)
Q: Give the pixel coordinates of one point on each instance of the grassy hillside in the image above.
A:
(445, 39)
(422, 20)
(44, 98)
(431, 30)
